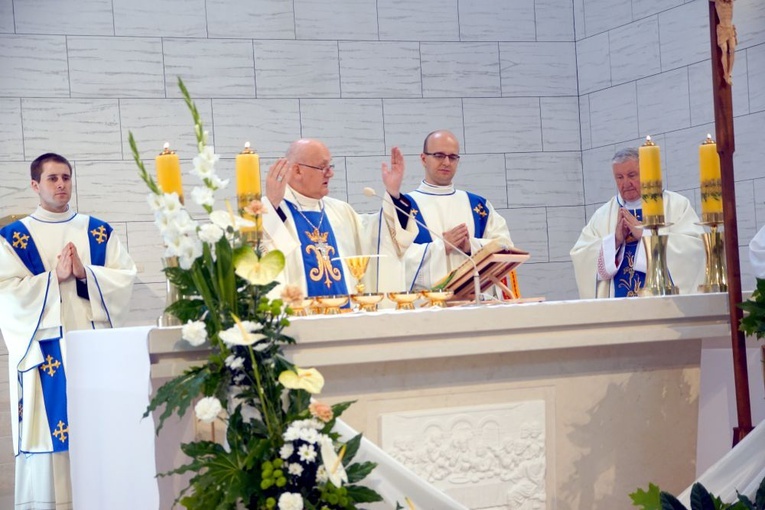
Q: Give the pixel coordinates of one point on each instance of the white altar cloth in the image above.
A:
(112, 448)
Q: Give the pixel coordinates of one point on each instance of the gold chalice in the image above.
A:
(358, 267)
(437, 298)
(330, 305)
(404, 300)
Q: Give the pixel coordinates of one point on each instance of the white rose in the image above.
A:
(207, 409)
(194, 332)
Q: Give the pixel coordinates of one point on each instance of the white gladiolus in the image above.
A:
(207, 409)
(194, 332)
(190, 250)
(204, 162)
(203, 196)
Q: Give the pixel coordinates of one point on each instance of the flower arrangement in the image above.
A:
(280, 451)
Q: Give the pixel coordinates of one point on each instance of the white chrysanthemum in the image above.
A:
(234, 362)
(295, 469)
(290, 501)
(203, 196)
(291, 434)
(207, 409)
(286, 450)
(309, 435)
(210, 233)
(204, 162)
(307, 453)
(246, 334)
(194, 332)
(321, 475)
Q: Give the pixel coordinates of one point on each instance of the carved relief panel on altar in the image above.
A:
(487, 457)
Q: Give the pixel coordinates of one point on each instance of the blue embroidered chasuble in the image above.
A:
(51, 370)
(323, 276)
(627, 280)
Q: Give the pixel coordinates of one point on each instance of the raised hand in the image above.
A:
(276, 181)
(393, 176)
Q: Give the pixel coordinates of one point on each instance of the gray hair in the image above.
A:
(626, 154)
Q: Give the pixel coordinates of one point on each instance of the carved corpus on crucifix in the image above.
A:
(726, 36)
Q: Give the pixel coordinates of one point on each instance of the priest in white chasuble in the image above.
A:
(59, 271)
(609, 257)
(316, 232)
(466, 220)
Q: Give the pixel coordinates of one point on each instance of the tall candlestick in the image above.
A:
(711, 183)
(651, 182)
(247, 175)
(169, 172)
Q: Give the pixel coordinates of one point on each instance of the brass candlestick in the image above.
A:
(714, 247)
(657, 279)
(172, 295)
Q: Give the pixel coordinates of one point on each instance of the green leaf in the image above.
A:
(361, 494)
(647, 500)
(351, 448)
(340, 408)
(700, 498)
(669, 502)
(177, 394)
(357, 472)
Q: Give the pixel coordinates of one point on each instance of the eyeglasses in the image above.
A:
(323, 169)
(440, 156)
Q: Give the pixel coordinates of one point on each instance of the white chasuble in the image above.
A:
(36, 311)
(685, 249)
(306, 253)
(442, 208)
(757, 253)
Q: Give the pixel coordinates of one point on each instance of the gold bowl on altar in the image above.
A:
(330, 305)
(368, 302)
(437, 298)
(404, 300)
(302, 307)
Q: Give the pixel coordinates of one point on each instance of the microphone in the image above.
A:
(369, 192)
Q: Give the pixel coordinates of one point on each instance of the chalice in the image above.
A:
(358, 266)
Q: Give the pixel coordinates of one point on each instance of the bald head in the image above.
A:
(436, 135)
(311, 167)
(440, 157)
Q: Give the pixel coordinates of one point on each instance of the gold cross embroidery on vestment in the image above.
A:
(61, 432)
(20, 240)
(480, 211)
(51, 365)
(99, 233)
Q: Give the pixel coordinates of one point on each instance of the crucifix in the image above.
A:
(722, 34)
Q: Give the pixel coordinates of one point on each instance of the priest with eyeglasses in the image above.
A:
(317, 233)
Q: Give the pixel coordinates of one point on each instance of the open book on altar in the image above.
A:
(494, 261)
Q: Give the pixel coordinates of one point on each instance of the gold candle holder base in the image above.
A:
(716, 272)
(172, 295)
(657, 279)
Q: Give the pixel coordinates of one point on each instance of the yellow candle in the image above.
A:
(248, 174)
(651, 182)
(169, 172)
(711, 183)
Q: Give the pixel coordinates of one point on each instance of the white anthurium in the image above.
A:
(333, 462)
(244, 333)
(258, 270)
(227, 220)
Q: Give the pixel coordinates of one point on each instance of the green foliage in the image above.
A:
(701, 499)
(753, 323)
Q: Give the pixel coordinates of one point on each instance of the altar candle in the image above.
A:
(650, 179)
(169, 172)
(711, 184)
(248, 173)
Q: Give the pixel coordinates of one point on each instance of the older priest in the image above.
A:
(315, 232)
(609, 259)
(59, 271)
